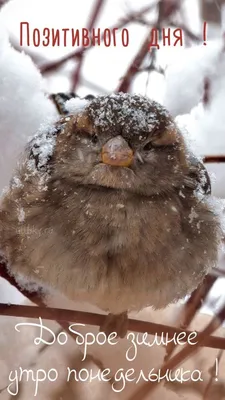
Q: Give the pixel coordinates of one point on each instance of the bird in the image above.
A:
(110, 206)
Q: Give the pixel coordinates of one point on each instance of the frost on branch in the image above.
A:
(23, 105)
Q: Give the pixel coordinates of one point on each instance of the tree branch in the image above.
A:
(191, 307)
(94, 15)
(52, 66)
(94, 319)
(214, 159)
(180, 357)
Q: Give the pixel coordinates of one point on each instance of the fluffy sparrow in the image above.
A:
(110, 207)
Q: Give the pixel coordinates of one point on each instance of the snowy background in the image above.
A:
(178, 78)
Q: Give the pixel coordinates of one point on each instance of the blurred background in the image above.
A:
(104, 67)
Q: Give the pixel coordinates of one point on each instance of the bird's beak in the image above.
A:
(117, 152)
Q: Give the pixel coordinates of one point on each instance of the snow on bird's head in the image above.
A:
(130, 112)
(76, 105)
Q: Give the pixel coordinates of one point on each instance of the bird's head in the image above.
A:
(124, 142)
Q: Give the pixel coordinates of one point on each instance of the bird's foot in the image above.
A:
(115, 323)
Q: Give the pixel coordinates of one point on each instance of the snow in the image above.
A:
(184, 77)
(16, 182)
(134, 113)
(42, 147)
(23, 105)
(76, 105)
(24, 110)
(21, 214)
(30, 286)
(203, 126)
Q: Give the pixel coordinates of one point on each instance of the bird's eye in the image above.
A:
(148, 146)
(94, 138)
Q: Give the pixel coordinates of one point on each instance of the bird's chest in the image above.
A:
(118, 227)
(116, 245)
(113, 226)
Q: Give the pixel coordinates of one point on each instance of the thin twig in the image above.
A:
(212, 376)
(3, 2)
(196, 300)
(169, 7)
(187, 31)
(206, 92)
(135, 65)
(214, 159)
(52, 66)
(191, 307)
(94, 16)
(87, 318)
(151, 68)
(180, 357)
